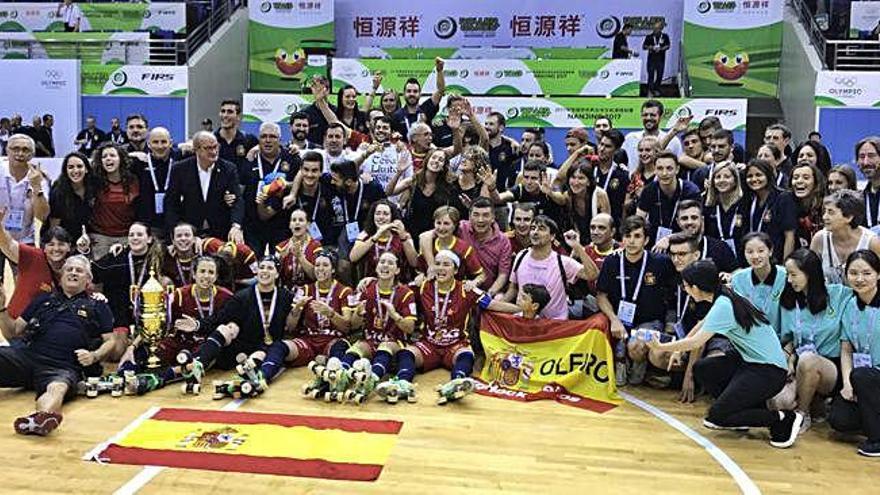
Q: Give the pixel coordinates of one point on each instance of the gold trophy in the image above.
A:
(151, 321)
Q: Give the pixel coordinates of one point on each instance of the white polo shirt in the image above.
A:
(17, 196)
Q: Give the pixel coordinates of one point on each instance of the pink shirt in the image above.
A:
(546, 272)
(494, 253)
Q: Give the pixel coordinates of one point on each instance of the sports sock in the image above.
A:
(210, 348)
(275, 356)
(406, 365)
(338, 349)
(381, 363)
(463, 366)
(349, 358)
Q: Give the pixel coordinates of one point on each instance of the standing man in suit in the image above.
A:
(204, 191)
(655, 46)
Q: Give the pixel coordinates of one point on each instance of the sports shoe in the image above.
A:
(637, 372)
(713, 426)
(784, 432)
(869, 449)
(39, 423)
(620, 373)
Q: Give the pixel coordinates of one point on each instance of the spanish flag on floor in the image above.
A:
(281, 444)
(570, 362)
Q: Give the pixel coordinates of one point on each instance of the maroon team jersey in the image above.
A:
(245, 259)
(313, 324)
(378, 327)
(391, 244)
(185, 302)
(445, 328)
(179, 270)
(598, 258)
(470, 264)
(292, 275)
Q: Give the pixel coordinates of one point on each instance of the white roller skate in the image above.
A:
(454, 390)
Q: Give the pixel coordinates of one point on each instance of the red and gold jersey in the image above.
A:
(598, 258)
(470, 265)
(445, 316)
(245, 259)
(392, 244)
(378, 327)
(292, 275)
(311, 323)
(178, 269)
(186, 303)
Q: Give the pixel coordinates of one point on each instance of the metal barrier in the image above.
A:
(838, 54)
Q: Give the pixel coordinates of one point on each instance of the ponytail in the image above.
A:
(744, 312)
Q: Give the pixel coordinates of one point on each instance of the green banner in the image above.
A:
(118, 17)
(289, 42)
(90, 48)
(584, 53)
(133, 80)
(497, 77)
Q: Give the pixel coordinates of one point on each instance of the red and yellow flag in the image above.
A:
(281, 444)
(570, 362)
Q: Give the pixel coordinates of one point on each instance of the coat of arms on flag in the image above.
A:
(280, 444)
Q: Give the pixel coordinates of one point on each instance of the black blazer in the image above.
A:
(184, 203)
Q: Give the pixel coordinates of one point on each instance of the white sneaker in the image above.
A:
(713, 426)
(637, 372)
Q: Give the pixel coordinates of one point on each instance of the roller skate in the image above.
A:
(94, 386)
(394, 389)
(362, 380)
(337, 381)
(227, 388)
(454, 390)
(253, 382)
(140, 384)
(317, 387)
(192, 371)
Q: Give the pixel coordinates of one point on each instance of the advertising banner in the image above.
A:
(521, 112)
(496, 77)
(863, 18)
(289, 42)
(570, 362)
(732, 47)
(522, 53)
(43, 86)
(42, 16)
(90, 48)
(134, 80)
(526, 24)
(847, 89)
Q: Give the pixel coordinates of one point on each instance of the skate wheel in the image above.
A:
(196, 389)
(183, 389)
(247, 388)
(183, 357)
(116, 393)
(92, 394)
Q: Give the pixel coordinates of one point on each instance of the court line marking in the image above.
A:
(746, 485)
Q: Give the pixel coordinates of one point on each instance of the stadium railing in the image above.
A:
(859, 55)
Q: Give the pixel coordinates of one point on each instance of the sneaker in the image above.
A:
(784, 432)
(39, 423)
(869, 449)
(713, 426)
(637, 372)
(620, 373)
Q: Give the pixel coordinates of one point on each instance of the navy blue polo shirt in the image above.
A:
(778, 215)
(658, 281)
(236, 151)
(616, 189)
(687, 310)
(65, 329)
(662, 208)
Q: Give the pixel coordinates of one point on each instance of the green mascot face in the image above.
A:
(290, 64)
(731, 65)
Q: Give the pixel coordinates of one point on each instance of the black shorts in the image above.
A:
(19, 368)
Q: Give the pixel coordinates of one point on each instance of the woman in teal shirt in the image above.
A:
(762, 282)
(857, 408)
(810, 325)
(762, 369)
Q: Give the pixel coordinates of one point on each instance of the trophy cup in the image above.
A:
(151, 303)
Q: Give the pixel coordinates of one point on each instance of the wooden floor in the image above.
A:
(481, 445)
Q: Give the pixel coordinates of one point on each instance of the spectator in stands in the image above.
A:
(656, 44)
(413, 111)
(89, 138)
(207, 124)
(136, 128)
(842, 177)
(620, 48)
(5, 128)
(70, 14)
(27, 188)
(652, 113)
(73, 195)
(204, 192)
(234, 144)
(116, 134)
(117, 199)
(42, 139)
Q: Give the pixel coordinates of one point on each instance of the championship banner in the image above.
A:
(279, 444)
(570, 362)
(470, 53)
(498, 23)
(42, 16)
(847, 89)
(863, 18)
(289, 43)
(496, 77)
(91, 48)
(524, 112)
(733, 47)
(134, 80)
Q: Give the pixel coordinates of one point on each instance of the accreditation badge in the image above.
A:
(240, 151)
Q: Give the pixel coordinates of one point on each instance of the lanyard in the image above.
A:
(607, 177)
(357, 209)
(259, 169)
(210, 308)
(660, 204)
(872, 217)
(732, 223)
(705, 248)
(183, 278)
(439, 316)
(140, 279)
(153, 173)
(870, 336)
(638, 284)
(266, 319)
(799, 325)
(329, 297)
(383, 316)
(679, 307)
(752, 216)
(317, 202)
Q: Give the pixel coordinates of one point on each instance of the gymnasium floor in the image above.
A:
(481, 445)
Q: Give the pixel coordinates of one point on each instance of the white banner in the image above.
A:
(153, 80)
(40, 87)
(847, 89)
(43, 16)
(863, 17)
(732, 14)
(270, 107)
(291, 14)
